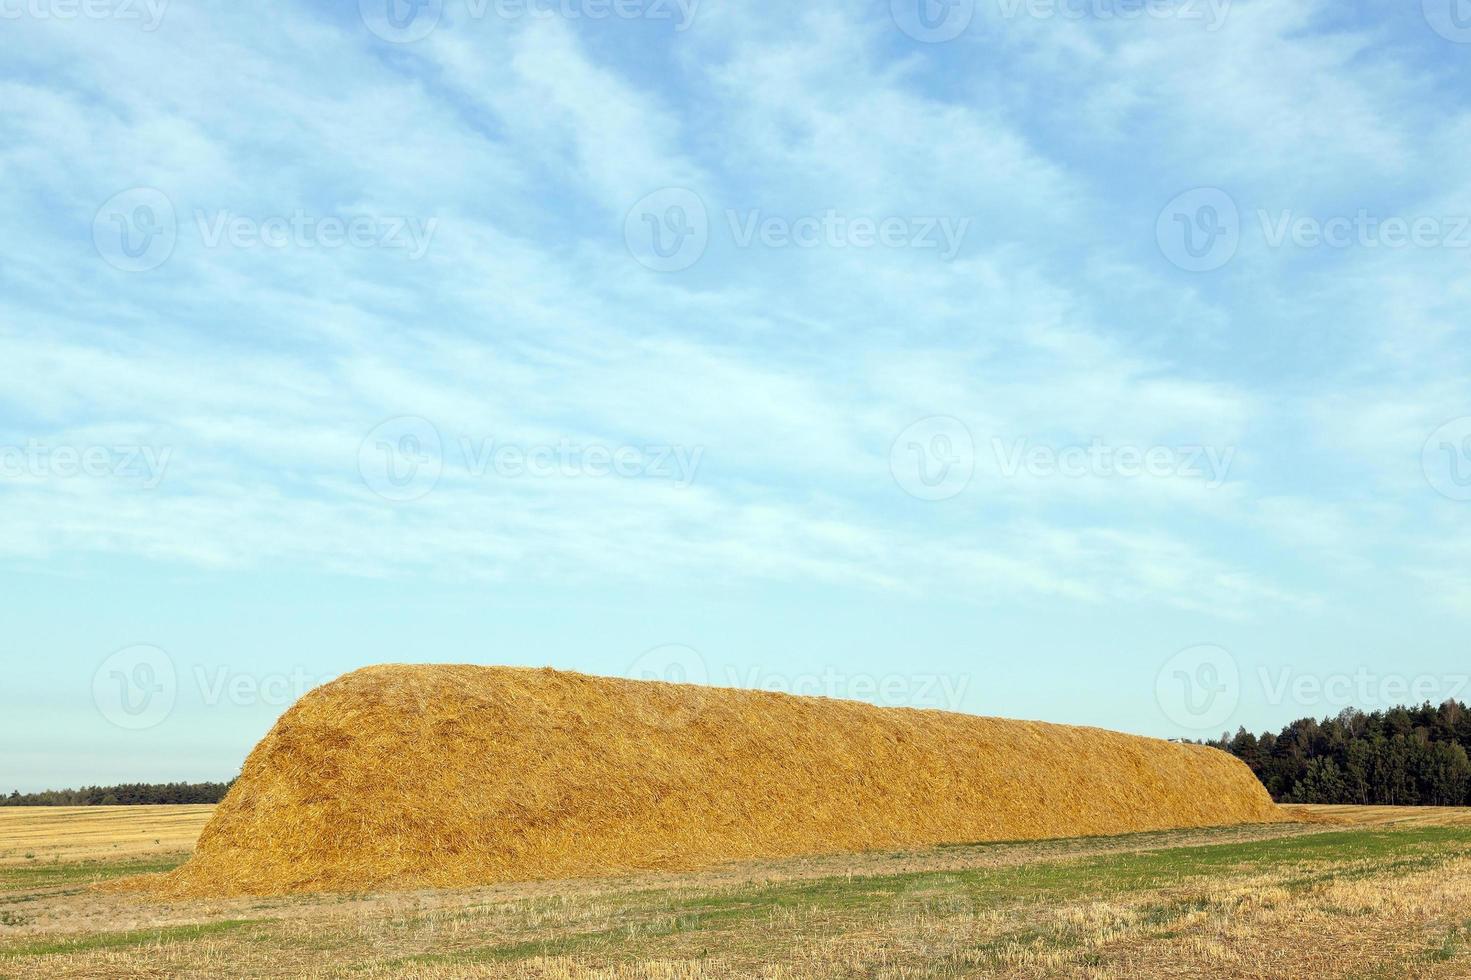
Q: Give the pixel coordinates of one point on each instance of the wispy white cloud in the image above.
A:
(792, 370)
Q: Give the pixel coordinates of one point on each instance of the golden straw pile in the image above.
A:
(440, 776)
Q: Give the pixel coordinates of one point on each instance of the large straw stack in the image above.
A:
(435, 776)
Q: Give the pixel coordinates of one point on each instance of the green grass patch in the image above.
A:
(54, 874)
(951, 892)
(124, 940)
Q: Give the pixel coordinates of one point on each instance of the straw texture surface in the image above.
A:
(441, 776)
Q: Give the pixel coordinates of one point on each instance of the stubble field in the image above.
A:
(1346, 892)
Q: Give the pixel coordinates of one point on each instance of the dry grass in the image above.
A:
(1371, 898)
(1400, 816)
(448, 776)
(65, 833)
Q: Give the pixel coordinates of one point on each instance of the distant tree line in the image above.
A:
(1399, 757)
(126, 794)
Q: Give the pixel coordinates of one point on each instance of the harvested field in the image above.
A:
(450, 776)
(1401, 816)
(66, 833)
(1374, 897)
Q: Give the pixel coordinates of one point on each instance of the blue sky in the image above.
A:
(1099, 362)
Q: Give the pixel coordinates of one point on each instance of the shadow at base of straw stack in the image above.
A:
(449, 776)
